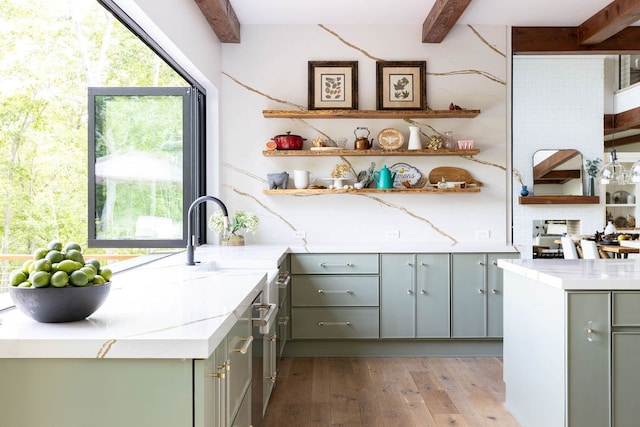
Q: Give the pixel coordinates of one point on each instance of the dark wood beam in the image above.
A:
(627, 119)
(612, 19)
(443, 16)
(222, 18)
(558, 176)
(625, 140)
(553, 161)
(566, 41)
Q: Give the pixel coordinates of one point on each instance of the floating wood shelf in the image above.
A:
(559, 200)
(424, 190)
(299, 153)
(370, 114)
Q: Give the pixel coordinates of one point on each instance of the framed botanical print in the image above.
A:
(333, 85)
(401, 85)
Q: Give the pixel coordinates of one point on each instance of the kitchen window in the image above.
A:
(140, 165)
(146, 157)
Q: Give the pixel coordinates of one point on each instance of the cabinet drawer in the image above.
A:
(328, 291)
(334, 264)
(354, 322)
(626, 308)
(239, 357)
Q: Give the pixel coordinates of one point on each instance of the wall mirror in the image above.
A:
(557, 172)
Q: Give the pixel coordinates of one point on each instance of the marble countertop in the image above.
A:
(579, 274)
(163, 309)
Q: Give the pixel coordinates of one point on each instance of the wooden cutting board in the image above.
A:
(452, 174)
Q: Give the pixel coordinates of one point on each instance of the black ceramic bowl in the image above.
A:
(57, 305)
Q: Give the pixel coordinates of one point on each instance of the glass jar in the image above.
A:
(449, 143)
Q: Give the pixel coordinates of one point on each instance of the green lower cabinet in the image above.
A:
(468, 295)
(626, 379)
(96, 392)
(334, 322)
(131, 392)
(588, 346)
(414, 296)
(334, 296)
(476, 294)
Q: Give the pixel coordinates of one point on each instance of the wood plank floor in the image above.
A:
(388, 392)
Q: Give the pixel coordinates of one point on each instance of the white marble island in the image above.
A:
(572, 342)
(146, 356)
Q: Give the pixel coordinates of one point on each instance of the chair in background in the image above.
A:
(569, 248)
(589, 249)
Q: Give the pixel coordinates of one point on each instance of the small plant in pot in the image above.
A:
(233, 235)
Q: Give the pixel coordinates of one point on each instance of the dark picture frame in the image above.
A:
(401, 85)
(333, 85)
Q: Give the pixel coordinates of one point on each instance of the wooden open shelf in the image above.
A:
(402, 152)
(558, 200)
(370, 114)
(424, 190)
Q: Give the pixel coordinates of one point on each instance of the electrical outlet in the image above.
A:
(298, 234)
(393, 234)
(483, 234)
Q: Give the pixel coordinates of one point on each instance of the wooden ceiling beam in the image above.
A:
(222, 19)
(566, 41)
(443, 16)
(553, 161)
(612, 19)
(619, 142)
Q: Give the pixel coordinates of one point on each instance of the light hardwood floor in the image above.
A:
(388, 392)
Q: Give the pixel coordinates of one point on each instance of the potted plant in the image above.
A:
(591, 167)
(233, 235)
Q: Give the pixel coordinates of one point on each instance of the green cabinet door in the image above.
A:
(626, 379)
(397, 296)
(494, 293)
(588, 343)
(210, 389)
(468, 295)
(432, 296)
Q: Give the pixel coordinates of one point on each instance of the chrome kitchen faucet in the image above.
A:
(191, 238)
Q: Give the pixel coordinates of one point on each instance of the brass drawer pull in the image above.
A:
(348, 264)
(338, 291)
(334, 323)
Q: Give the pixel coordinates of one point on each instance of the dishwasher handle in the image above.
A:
(267, 312)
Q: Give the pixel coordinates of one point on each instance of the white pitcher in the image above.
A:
(414, 138)
(302, 178)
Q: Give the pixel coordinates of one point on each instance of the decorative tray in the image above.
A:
(390, 139)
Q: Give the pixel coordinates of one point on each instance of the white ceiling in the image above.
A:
(479, 12)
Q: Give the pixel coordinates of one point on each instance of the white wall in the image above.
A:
(268, 70)
(558, 102)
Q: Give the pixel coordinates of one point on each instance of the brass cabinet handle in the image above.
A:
(245, 347)
(334, 323)
(220, 373)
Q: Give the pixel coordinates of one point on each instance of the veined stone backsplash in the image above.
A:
(268, 71)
